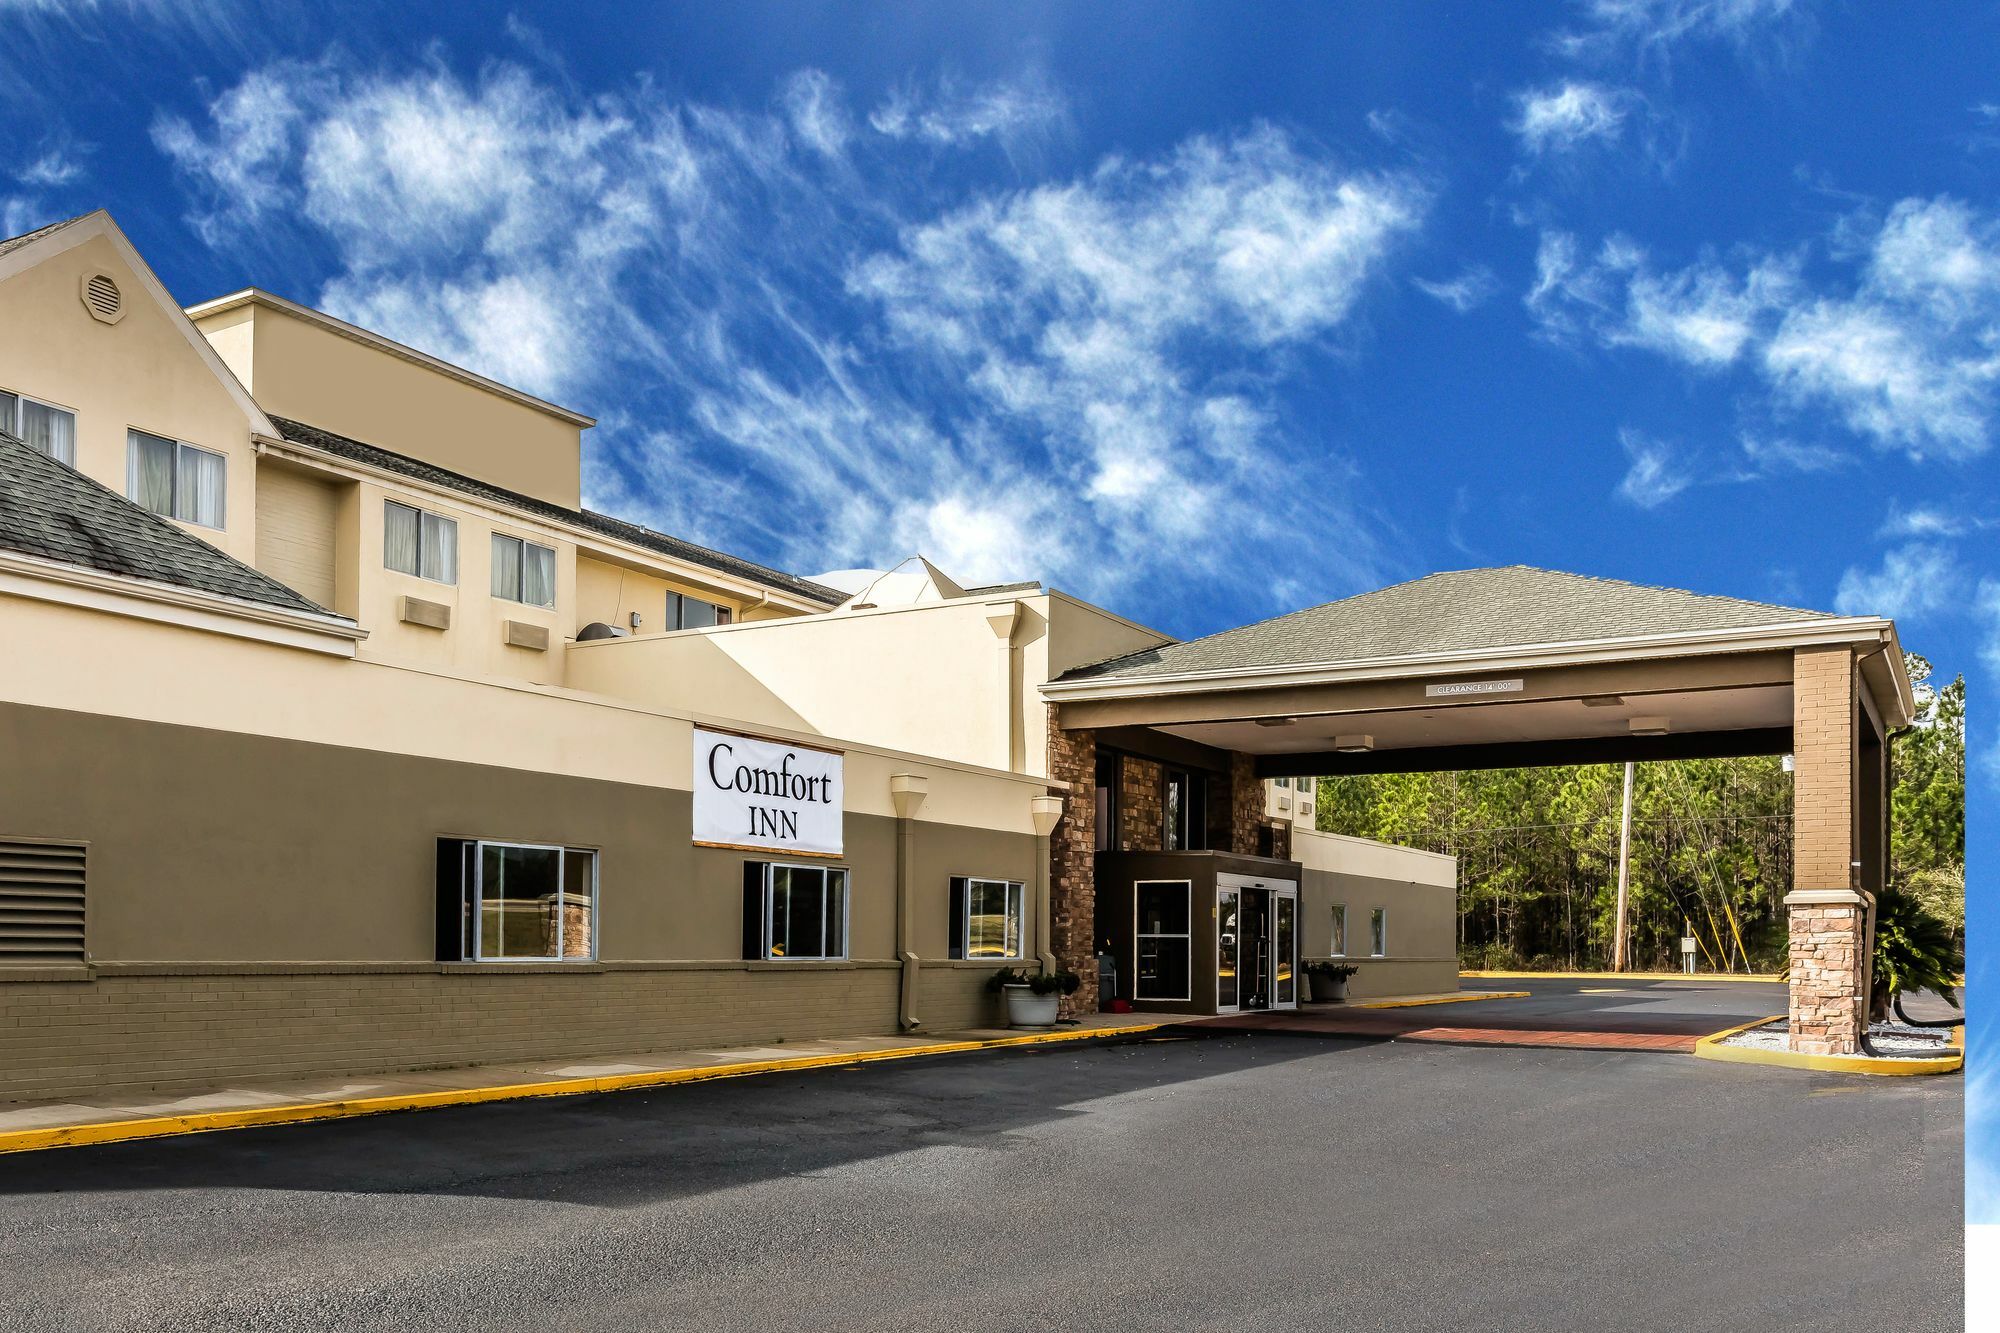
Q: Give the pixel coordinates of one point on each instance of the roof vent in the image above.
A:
(102, 298)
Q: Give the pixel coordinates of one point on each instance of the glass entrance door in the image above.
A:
(1285, 948)
(1228, 927)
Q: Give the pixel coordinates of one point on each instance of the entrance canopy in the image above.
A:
(1488, 668)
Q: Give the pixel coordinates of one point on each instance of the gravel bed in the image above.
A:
(1895, 1040)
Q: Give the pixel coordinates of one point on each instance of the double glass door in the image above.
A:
(1256, 945)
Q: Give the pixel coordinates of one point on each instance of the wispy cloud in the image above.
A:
(1465, 292)
(948, 114)
(1569, 115)
(1905, 352)
(812, 361)
(1916, 579)
(1653, 27)
(1656, 475)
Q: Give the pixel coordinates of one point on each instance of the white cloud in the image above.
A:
(1655, 25)
(52, 169)
(1986, 605)
(1904, 353)
(1465, 292)
(1913, 580)
(1656, 475)
(1930, 521)
(950, 115)
(1569, 115)
(796, 355)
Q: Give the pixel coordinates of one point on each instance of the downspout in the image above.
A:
(1047, 812)
(907, 792)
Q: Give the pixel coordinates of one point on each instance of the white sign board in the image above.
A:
(1455, 689)
(766, 795)
(1687, 944)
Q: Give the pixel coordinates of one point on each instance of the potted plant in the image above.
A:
(1329, 981)
(1033, 998)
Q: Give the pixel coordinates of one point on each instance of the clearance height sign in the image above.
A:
(766, 795)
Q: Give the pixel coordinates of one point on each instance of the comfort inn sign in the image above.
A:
(766, 795)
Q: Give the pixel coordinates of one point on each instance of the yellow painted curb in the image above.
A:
(201, 1122)
(1441, 999)
(1630, 976)
(1711, 1048)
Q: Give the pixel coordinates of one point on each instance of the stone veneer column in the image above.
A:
(1142, 805)
(1073, 861)
(1832, 924)
(1246, 805)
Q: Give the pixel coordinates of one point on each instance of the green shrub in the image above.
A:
(1914, 950)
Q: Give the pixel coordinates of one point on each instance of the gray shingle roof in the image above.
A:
(604, 524)
(1467, 610)
(53, 512)
(29, 237)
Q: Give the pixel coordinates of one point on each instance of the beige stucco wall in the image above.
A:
(96, 662)
(609, 593)
(938, 678)
(301, 369)
(1419, 890)
(141, 372)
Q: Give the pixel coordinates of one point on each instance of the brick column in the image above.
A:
(1832, 923)
(1073, 861)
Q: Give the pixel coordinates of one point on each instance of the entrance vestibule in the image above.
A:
(1200, 932)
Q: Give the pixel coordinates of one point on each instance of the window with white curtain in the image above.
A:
(416, 541)
(52, 430)
(174, 479)
(523, 571)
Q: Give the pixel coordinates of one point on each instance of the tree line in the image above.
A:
(1711, 853)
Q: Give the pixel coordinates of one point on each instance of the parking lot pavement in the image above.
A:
(1176, 1183)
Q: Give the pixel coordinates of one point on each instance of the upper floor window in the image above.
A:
(523, 571)
(174, 479)
(685, 612)
(40, 426)
(418, 542)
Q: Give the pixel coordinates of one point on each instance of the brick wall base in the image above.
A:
(1829, 975)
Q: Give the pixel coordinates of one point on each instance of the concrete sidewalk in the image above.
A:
(30, 1125)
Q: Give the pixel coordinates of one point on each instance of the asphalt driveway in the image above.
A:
(1190, 1182)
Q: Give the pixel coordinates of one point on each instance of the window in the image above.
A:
(40, 426)
(1282, 784)
(516, 902)
(523, 571)
(420, 543)
(1186, 810)
(1378, 932)
(987, 918)
(1107, 802)
(174, 479)
(684, 612)
(1339, 930)
(1162, 913)
(794, 912)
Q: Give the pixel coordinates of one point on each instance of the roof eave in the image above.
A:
(1518, 657)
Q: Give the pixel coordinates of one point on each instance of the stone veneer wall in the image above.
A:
(1073, 860)
(1246, 804)
(1142, 804)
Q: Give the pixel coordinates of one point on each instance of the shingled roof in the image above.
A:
(314, 437)
(1465, 611)
(52, 512)
(13, 243)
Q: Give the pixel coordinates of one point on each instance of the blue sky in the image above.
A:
(1203, 312)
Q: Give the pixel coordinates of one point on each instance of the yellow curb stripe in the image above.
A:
(1711, 1048)
(1441, 999)
(201, 1122)
(1631, 976)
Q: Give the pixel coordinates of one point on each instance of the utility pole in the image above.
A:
(1619, 941)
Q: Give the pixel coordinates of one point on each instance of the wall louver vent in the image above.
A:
(102, 298)
(41, 902)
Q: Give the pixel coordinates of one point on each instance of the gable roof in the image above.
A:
(23, 252)
(340, 446)
(1464, 611)
(50, 511)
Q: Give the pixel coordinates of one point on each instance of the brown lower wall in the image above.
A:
(268, 908)
(135, 1033)
(1380, 977)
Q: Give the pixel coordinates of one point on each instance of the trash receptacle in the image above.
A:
(1107, 980)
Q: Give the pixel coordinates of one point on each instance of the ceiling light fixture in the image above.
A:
(1353, 744)
(1603, 700)
(1650, 726)
(1275, 721)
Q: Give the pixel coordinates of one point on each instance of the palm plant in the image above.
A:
(1914, 950)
